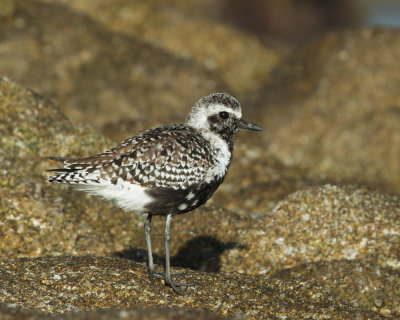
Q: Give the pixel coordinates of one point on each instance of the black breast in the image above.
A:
(172, 201)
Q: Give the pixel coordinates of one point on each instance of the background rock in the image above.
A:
(97, 75)
(239, 58)
(334, 108)
(291, 20)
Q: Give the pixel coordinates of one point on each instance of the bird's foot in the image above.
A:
(153, 275)
(175, 285)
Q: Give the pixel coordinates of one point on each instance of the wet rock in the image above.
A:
(333, 108)
(64, 284)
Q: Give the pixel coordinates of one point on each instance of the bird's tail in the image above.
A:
(75, 171)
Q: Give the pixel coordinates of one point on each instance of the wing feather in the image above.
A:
(167, 157)
(161, 158)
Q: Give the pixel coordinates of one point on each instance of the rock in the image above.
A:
(8, 313)
(333, 108)
(242, 60)
(256, 180)
(318, 223)
(360, 283)
(291, 21)
(97, 75)
(324, 223)
(7, 8)
(309, 229)
(38, 218)
(65, 284)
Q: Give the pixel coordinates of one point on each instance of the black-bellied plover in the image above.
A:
(164, 171)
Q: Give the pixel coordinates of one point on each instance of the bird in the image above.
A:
(165, 171)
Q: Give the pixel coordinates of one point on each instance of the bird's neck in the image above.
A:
(219, 143)
(223, 153)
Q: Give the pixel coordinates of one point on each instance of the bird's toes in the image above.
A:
(176, 286)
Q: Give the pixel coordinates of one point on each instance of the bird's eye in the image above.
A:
(224, 115)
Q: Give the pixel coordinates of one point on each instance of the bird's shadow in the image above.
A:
(200, 253)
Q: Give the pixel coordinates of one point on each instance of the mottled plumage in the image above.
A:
(164, 171)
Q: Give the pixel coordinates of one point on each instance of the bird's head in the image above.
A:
(219, 113)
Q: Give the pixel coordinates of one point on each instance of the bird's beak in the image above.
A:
(244, 124)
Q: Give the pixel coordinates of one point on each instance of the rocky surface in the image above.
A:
(334, 108)
(96, 70)
(95, 73)
(361, 283)
(280, 239)
(256, 180)
(319, 223)
(310, 229)
(241, 60)
(63, 284)
(38, 219)
(174, 313)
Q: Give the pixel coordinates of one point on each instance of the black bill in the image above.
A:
(244, 124)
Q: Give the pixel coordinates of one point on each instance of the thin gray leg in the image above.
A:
(150, 263)
(168, 279)
(167, 238)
